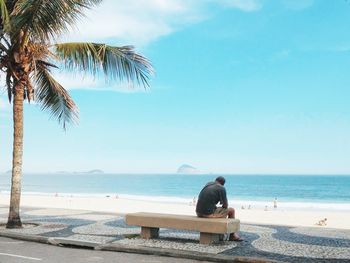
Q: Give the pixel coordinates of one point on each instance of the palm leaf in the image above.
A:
(51, 95)
(9, 86)
(47, 19)
(117, 63)
(5, 19)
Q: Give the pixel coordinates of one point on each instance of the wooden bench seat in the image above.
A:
(209, 228)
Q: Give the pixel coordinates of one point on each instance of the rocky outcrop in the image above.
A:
(187, 169)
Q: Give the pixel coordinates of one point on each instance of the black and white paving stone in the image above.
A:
(288, 244)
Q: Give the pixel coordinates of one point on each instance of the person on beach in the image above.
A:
(212, 194)
(275, 203)
(322, 222)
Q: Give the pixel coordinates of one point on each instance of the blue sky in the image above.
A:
(240, 87)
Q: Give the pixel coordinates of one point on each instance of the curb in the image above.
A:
(26, 237)
(137, 250)
(72, 242)
(183, 254)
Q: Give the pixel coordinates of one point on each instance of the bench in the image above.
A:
(209, 228)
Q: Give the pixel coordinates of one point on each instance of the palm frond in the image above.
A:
(51, 95)
(5, 18)
(46, 64)
(9, 86)
(47, 19)
(39, 51)
(117, 63)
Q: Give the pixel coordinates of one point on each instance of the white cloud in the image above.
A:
(142, 21)
(297, 4)
(5, 106)
(337, 48)
(135, 21)
(340, 48)
(73, 81)
(139, 22)
(5, 111)
(280, 55)
(244, 5)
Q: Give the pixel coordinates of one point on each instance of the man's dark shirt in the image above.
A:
(210, 195)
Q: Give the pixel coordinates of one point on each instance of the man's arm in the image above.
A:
(224, 199)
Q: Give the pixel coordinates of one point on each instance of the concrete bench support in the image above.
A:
(208, 238)
(209, 228)
(149, 232)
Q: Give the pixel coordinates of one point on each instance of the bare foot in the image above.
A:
(235, 237)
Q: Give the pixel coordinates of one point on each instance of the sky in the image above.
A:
(241, 86)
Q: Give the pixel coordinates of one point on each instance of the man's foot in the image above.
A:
(235, 237)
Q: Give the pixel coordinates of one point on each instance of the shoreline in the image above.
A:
(283, 204)
(122, 205)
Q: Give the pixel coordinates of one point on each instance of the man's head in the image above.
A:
(220, 180)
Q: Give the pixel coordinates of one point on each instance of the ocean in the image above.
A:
(292, 191)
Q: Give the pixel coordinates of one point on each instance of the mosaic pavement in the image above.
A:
(288, 244)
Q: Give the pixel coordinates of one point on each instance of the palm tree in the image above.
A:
(28, 54)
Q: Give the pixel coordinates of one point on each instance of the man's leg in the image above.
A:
(231, 214)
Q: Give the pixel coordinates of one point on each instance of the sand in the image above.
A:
(340, 220)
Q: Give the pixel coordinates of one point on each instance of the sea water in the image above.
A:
(292, 191)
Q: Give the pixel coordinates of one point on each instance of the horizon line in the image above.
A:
(175, 173)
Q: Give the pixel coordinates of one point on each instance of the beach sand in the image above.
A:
(112, 204)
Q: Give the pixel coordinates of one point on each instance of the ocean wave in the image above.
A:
(292, 205)
(236, 203)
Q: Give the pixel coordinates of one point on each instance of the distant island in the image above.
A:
(187, 169)
(95, 171)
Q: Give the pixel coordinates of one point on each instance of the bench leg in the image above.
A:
(208, 238)
(149, 232)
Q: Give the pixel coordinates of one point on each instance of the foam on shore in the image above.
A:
(237, 203)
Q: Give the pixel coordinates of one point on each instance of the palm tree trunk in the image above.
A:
(14, 220)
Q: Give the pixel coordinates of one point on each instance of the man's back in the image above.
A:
(210, 195)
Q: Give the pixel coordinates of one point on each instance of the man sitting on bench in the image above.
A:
(211, 194)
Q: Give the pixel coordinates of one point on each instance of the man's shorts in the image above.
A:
(219, 212)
